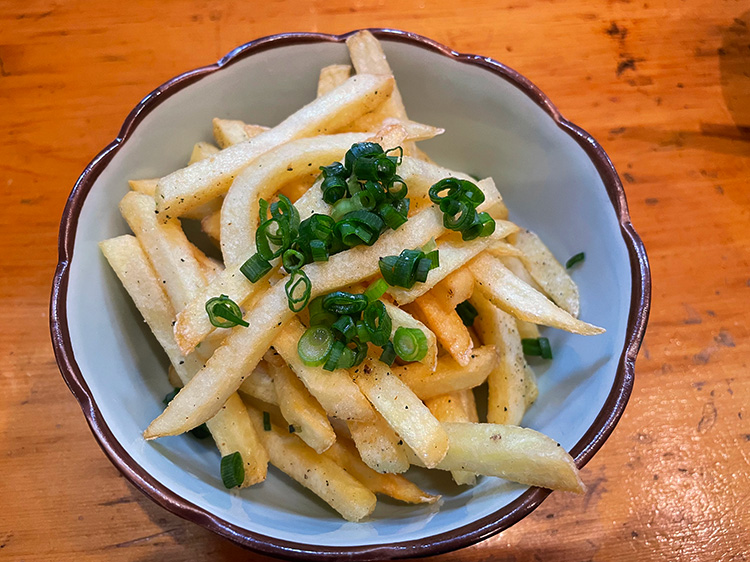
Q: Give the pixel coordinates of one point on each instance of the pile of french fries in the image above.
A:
(346, 435)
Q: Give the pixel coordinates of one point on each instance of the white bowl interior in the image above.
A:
(492, 129)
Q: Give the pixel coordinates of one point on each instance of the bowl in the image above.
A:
(556, 180)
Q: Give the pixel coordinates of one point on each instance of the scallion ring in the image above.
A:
(298, 290)
(410, 344)
(223, 312)
(315, 345)
(232, 470)
(341, 302)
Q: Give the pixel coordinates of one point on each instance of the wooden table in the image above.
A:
(663, 84)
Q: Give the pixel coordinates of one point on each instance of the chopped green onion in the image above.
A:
(377, 322)
(266, 236)
(266, 421)
(482, 225)
(364, 200)
(397, 188)
(343, 207)
(359, 150)
(405, 270)
(359, 227)
(341, 302)
(374, 167)
(298, 280)
(335, 169)
(169, 397)
(376, 290)
(223, 312)
(200, 432)
(389, 354)
(346, 327)
(452, 187)
(232, 470)
(255, 268)
(392, 218)
(429, 247)
(467, 312)
(578, 258)
(284, 210)
(410, 344)
(457, 214)
(537, 346)
(319, 250)
(315, 345)
(292, 260)
(319, 315)
(332, 361)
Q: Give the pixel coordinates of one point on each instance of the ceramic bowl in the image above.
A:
(556, 180)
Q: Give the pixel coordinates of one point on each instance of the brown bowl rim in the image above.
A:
(461, 537)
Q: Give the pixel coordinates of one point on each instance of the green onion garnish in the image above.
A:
(467, 312)
(345, 327)
(377, 323)
(458, 200)
(376, 290)
(223, 312)
(341, 302)
(390, 215)
(578, 258)
(298, 290)
(389, 354)
(410, 344)
(537, 346)
(359, 227)
(408, 267)
(232, 470)
(292, 260)
(255, 268)
(318, 250)
(266, 421)
(332, 362)
(334, 188)
(319, 315)
(359, 150)
(315, 345)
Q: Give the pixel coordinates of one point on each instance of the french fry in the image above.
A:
(509, 293)
(548, 272)
(449, 376)
(455, 288)
(527, 330)
(403, 410)
(201, 151)
(531, 393)
(400, 318)
(147, 187)
(299, 408)
(503, 249)
(334, 390)
(454, 254)
(168, 250)
(317, 473)
(232, 131)
(210, 267)
(506, 401)
(344, 453)
(230, 427)
(456, 407)
(447, 325)
(517, 268)
(243, 347)
(368, 58)
(259, 385)
(173, 377)
(332, 76)
(515, 453)
(207, 179)
(378, 445)
(211, 225)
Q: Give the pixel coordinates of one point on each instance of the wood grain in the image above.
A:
(663, 84)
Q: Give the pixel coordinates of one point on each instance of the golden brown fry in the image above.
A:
(456, 407)
(455, 288)
(506, 401)
(167, 247)
(403, 410)
(299, 408)
(317, 473)
(259, 385)
(449, 376)
(201, 151)
(147, 187)
(508, 292)
(344, 453)
(332, 77)
(378, 445)
(447, 325)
